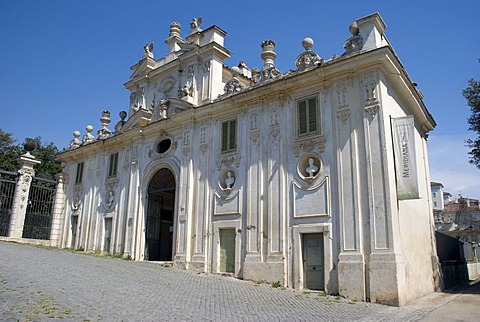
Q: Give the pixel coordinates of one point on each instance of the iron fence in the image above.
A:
(38, 218)
(8, 181)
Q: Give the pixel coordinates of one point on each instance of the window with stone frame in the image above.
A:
(307, 117)
(79, 173)
(229, 136)
(113, 165)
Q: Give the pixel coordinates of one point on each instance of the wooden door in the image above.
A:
(227, 250)
(108, 235)
(313, 261)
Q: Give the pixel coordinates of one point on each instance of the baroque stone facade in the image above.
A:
(260, 174)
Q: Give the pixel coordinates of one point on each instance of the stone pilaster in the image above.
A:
(58, 215)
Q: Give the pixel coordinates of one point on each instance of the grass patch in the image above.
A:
(276, 284)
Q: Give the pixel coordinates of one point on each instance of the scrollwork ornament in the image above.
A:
(343, 115)
(372, 109)
(233, 86)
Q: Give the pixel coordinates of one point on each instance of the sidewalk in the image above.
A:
(462, 304)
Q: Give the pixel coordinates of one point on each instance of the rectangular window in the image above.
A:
(113, 165)
(79, 174)
(434, 195)
(229, 136)
(307, 117)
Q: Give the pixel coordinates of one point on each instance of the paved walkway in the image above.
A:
(41, 284)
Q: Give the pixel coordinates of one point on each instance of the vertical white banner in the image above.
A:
(403, 130)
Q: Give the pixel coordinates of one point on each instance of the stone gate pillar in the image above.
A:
(22, 190)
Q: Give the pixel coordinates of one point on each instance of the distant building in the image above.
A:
(437, 195)
(460, 219)
(314, 177)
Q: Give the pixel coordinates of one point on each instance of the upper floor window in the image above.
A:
(229, 136)
(307, 117)
(79, 174)
(113, 165)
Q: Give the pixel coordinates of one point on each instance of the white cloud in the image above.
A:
(449, 165)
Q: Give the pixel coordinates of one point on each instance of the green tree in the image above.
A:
(8, 152)
(47, 153)
(472, 94)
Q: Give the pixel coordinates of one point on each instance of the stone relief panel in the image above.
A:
(311, 201)
(187, 129)
(137, 99)
(254, 133)
(126, 158)
(228, 161)
(230, 205)
(100, 164)
(109, 199)
(343, 115)
(371, 90)
(165, 87)
(254, 137)
(206, 66)
(204, 127)
(341, 94)
(90, 166)
(25, 177)
(254, 121)
(77, 197)
(135, 152)
(309, 145)
(285, 100)
(274, 128)
(187, 87)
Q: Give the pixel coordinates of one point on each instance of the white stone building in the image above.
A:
(437, 195)
(264, 175)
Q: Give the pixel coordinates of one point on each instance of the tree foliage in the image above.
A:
(472, 94)
(9, 152)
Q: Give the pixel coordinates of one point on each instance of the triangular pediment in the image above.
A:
(176, 105)
(186, 47)
(139, 118)
(143, 67)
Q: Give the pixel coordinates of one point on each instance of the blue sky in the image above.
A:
(63, 62)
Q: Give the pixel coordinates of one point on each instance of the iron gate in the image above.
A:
(38, 219)
(8, 181)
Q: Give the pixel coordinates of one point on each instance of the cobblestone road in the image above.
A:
(42, 284)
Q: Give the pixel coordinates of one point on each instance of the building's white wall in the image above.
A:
(375, 247)
(415, 217)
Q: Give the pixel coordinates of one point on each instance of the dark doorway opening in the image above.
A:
(74, 231)
(160, 217)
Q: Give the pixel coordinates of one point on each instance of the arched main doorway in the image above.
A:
(160, 217)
